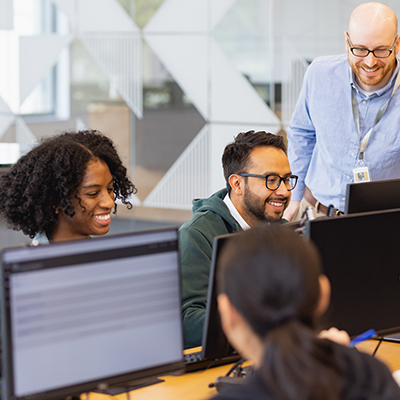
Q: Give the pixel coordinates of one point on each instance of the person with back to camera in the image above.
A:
(272, 293)
(65, 188)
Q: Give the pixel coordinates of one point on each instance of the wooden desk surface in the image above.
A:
(388, 352)
(191, 386)
(194, 385)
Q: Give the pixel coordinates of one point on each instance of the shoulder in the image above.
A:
(365, 375)
(40, 238)
(211, 217)
(205, 226)
(326, 63)
(325, 67)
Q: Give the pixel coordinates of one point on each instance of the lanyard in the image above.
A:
(362, 145)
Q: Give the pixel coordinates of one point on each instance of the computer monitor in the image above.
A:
(4, 169)
(372, 196)
(215, 346)
(361, 257)
(86, 315)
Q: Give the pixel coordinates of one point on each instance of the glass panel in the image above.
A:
(37, 17)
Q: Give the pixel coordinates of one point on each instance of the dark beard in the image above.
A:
(256, 208)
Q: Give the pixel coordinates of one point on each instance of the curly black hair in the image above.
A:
(49, 175)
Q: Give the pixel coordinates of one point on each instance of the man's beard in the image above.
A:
(383, 73)
(255, 206)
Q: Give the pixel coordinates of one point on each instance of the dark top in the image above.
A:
(365, 378)
(211, 218)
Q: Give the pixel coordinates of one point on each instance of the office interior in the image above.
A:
(171, 82)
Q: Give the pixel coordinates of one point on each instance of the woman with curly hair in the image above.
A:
(272, 294)
(65, 188)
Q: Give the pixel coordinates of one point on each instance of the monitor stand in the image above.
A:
(137, 384)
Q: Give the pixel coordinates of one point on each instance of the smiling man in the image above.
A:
(346, 124)
(258, 188)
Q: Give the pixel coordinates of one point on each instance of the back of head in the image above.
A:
(270, 273)
(236, 154)
(48, 176)
(271, 276)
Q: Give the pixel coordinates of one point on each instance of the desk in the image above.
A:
(191, 386)
(388, 352)
(194, 385)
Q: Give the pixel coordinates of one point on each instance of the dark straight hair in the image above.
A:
(236, 154)
(270, 275)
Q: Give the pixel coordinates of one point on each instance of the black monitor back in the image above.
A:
(361, 257)
(372, 196)
(215, 346)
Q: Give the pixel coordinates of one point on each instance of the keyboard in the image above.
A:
(194, 361)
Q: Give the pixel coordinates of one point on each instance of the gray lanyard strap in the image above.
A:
(362, 145)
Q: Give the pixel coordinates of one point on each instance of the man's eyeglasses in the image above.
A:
(362, 52)
(272, 182)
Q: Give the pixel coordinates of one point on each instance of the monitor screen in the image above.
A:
(84, 315)
(361, 257)
(372, 196)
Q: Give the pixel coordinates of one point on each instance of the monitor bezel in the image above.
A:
(127, 379)
(215, 345)
(307, 236)
(360, 194)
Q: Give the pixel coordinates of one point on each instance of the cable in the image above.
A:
(377, 347)
(237, 364)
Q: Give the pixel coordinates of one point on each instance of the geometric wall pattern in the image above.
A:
(222, 95)
(114, 41)
(189, 174)
(25, 137)
(7, 117)
(120, 58)
(181, 35)
(105, 29)
(40, 53)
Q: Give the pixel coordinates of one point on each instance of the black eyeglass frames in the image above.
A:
(363, 52)
(273, 181)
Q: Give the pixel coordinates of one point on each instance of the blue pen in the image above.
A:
(363, 336)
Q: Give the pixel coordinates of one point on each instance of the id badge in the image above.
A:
(361, 174)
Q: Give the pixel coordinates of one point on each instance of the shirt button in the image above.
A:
(364, 102)
(344, 198)
(348, 177)
(352, 153)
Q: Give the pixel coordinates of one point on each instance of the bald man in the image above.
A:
(346, 124)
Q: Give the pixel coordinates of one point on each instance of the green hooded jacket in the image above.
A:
(211, 218)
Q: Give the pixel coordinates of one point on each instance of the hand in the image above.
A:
(341, 337)
(291, 209)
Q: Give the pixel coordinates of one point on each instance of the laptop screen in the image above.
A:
(361, 257)
(87, 314)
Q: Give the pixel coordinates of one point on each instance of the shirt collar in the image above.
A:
(377, 92)
(235, 213)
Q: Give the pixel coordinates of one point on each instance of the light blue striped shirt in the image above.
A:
(322, 137)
